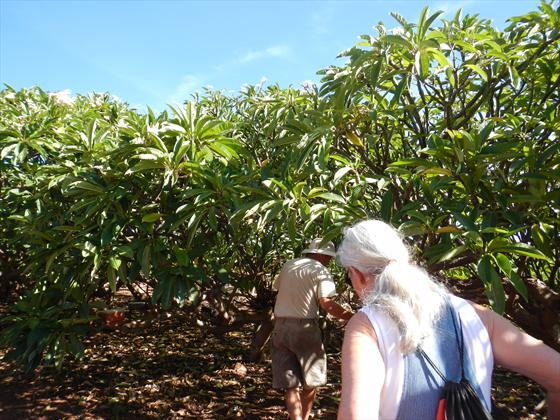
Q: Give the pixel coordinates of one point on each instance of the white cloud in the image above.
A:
(273, 51)
(191, 83)
(188, 85)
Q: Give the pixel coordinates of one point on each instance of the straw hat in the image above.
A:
(315, 247)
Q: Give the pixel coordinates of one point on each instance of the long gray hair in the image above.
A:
(402, 290)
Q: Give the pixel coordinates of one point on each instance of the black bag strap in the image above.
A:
(461, 400)
(459, 338)
(432, 364)
(460, 346)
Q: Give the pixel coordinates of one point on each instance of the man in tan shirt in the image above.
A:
(299, 363)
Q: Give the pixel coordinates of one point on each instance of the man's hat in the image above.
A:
(315, 247)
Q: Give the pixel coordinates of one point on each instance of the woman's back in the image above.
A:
(373, 369)
(411, 388)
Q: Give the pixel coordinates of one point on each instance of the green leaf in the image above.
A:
(439, 56)
(412, 228)
(115, 262)
(107, 234)
(387, 206)
(374, 74)
(354, 139)
(164, 291)
(159, 143)
(450, 77)
(477, 69)
(398, 40)
(506, 266)
(144, 166)
(192, 226)
(151, 217)
(340, 173)
(89, 186)
(541, 240)
(76, 347)
(504, 263)
(331, 197)
(452, 253)
(292, 222)
(436, 171)
(422, 63)
(519, 285)
(339, 99)
(465, 221)
(332, 234)
(521, 249)
(268, 183)
(421, 22)
(212, 219)
(19, 218)
(123, 273)
(182, 256)
(412, 162)
(436, 35)
(125, 250)
(273, 212)
(398, 91)
(431, 20)
(492, 284)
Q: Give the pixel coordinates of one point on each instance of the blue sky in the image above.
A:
(159, 52)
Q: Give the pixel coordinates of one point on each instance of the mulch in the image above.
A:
(173, 366)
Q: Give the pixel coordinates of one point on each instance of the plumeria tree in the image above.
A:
(445, 128)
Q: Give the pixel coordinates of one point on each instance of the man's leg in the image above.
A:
(293, 404)
(313, 362)
(306, 397)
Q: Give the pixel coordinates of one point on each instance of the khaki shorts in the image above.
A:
(298, 354)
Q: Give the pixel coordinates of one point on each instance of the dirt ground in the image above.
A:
(173, 367)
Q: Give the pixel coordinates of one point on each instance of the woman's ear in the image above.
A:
(358, 275)
(365, 281)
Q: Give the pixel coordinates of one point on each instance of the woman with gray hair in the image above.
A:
(405, 341)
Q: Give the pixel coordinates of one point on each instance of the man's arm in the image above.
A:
(333, 308)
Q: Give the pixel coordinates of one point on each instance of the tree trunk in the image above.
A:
(539, 317)
(10, 279)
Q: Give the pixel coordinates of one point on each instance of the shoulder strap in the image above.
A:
(459, 338)
(460, 346)
(432, 364)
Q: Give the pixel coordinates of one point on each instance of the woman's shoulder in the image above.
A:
(359, 329)
(359, 322)
(377, 317)
(384, 327)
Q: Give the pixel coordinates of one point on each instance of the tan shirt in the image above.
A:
(300, 284)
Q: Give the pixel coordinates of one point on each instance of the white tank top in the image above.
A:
(477, 343)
